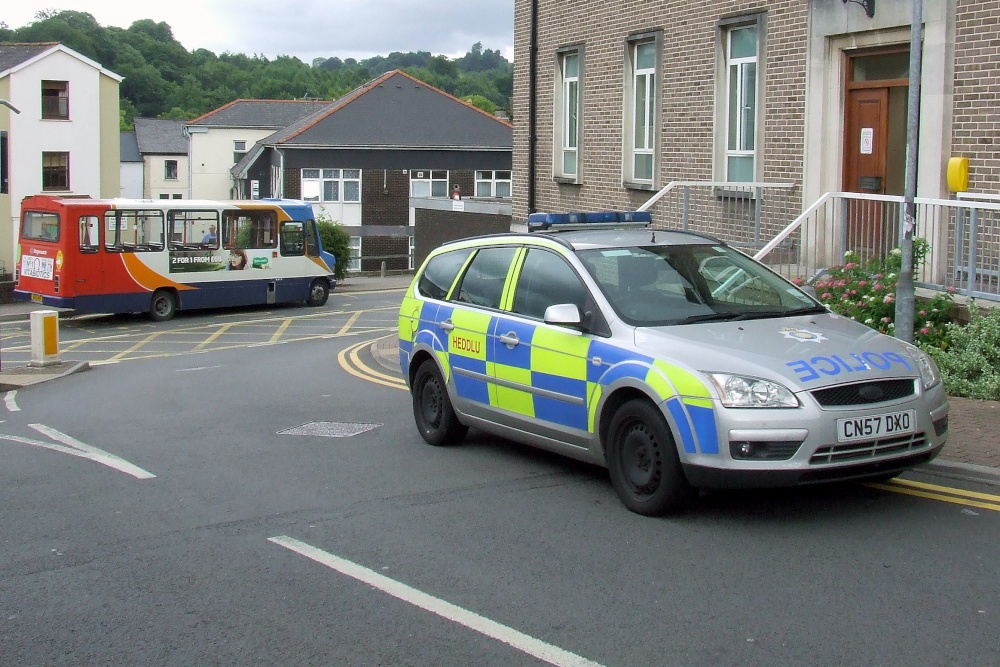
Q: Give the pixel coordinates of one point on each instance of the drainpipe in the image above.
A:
(532, 105)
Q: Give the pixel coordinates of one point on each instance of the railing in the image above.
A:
(963, 239)
(745, 215)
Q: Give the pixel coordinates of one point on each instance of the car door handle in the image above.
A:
(447, 325)
(510, 339)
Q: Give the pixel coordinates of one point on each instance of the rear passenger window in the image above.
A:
(440, 273)
(546, 279)
(483, 283)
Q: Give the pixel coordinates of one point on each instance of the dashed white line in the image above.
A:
(10, 402)
(514, 638)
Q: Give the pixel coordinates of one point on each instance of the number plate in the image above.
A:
(37, 298)
(876, 426)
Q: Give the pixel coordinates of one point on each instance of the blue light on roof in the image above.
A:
(541, 221)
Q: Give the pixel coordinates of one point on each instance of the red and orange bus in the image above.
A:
(160, 256)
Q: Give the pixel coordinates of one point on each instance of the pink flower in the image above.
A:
(923, 313)
(925, 331)
(878, 276)
(826, 295)
(862, 283)
(951, 290)
(797, 281)
(886, 319)
(888, 299)
(877, 287)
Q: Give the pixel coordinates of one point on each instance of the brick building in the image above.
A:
(613, 101)
(362, 157)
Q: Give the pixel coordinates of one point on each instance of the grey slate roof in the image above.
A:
(397, 111)
(128, 148)
(161, 136)
(266, 114)
(13, 54)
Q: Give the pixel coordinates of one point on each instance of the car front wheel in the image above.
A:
(643, 463)
(436, 419)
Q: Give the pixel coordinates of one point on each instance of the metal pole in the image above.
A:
(904, 289)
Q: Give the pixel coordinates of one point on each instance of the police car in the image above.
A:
(668, 357)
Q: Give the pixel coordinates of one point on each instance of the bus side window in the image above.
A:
(90, 226)
(312, 239)
(292, 238)
(111, 232)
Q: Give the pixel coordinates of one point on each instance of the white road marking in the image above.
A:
(9, 401)
(196, 368)
(76, 448)
(518, 640)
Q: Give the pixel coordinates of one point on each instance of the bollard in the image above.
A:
(383, 269)
(44, 338)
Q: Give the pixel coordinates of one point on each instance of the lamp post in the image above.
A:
(10, 106)
(904, 288)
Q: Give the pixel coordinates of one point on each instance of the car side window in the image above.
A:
(440, 273)
(547, 279)
(482, 284)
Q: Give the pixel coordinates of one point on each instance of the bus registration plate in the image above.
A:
(37, 298)
(876, 426)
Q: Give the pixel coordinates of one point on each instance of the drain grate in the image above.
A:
(330, 429)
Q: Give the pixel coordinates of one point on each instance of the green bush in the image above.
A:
(970, 365)
(337, 241)
(867, 293)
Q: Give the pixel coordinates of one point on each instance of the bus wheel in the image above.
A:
(163, 306)
(319, 292)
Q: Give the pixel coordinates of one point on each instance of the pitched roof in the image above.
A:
(396, 110)
(161, 136)
(128, 148)
(267, 114)
(14, 55)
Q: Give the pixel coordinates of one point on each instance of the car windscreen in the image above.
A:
(661, 285)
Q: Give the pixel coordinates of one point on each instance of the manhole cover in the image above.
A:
(330, 429)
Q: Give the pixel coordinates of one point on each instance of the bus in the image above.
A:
(161, 256)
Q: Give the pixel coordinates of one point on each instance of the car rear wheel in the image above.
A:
(436, 419)
(643, 463)
(163, 306)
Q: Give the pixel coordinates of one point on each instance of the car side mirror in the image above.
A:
(810, 290)
(564, 314)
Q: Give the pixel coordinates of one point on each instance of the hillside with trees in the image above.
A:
(162, 79)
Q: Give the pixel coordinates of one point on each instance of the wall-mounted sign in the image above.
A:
(867, 140)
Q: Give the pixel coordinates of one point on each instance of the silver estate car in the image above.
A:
(668, 357)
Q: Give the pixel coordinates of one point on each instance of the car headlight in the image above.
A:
(929, 373)
(741, 391)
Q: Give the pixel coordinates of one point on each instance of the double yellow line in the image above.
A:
(944, 494)
(350, 360)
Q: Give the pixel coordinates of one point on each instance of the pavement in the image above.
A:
(973, 448)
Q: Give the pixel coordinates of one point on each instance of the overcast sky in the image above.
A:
(307, 29)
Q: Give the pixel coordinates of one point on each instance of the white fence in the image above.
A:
(766, 220)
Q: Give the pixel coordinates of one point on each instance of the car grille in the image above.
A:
(871, 449)
(864, 393)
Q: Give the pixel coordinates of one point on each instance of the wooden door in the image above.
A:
(869, 229)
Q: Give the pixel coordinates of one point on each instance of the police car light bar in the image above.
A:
(588, 220)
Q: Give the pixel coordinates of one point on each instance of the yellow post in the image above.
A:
(44, 338)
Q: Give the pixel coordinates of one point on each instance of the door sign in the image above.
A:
(867, 140)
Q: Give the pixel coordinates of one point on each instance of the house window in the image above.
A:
(331, 185)
(239, 150)
(55, 100)
(354, 264)
(170, 170)
(428, 183)
(567, 121)
(740, 46)
(640, 110)
(493, 184)
(55, 171)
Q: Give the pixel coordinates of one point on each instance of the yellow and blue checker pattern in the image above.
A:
(552, 361)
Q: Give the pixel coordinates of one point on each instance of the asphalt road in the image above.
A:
(257, 504)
